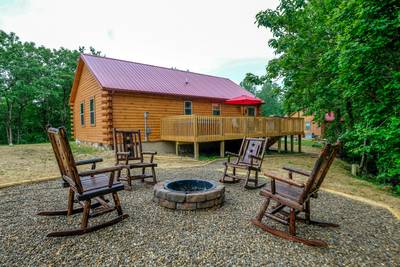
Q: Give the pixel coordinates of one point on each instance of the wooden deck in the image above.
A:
(197, 129)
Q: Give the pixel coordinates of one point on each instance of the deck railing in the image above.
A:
(195, 128)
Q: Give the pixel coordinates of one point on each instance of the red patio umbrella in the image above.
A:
(244, 100)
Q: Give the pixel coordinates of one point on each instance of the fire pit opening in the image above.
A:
(190, 185)
(189, 194)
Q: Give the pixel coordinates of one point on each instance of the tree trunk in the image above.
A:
(9, 123)
(363, 163)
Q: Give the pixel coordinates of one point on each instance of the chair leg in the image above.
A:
(255, 180)
(307, 212)
(117, 203)
(263, 209)
(292, 222)
(143, 173)
(153, 172)
(71, 195)
(222, 180)
(118, 175)
(85, 217)
(246, 184)
(129, 179)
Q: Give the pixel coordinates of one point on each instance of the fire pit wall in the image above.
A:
(178, 200)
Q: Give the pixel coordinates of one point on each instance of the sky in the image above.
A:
(217, 37)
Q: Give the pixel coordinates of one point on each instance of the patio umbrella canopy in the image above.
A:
(244, 100)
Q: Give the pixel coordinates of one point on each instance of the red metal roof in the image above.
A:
(244, 100)
(115, 74)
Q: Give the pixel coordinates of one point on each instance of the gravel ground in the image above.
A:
(152, 235)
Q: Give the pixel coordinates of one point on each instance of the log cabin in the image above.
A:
(166, 104)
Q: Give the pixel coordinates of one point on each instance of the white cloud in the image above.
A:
(196, 35)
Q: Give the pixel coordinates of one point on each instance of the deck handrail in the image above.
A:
(199, 128)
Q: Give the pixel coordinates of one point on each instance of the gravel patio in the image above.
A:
(153, 235)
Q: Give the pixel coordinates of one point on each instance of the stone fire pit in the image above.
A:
(189, 194)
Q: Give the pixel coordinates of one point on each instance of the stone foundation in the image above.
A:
(189, 201)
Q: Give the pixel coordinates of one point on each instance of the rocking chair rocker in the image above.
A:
(250, 158)
(84, 187)
(295, 196)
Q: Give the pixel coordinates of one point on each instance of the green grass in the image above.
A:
(81, 149)
(208, 157)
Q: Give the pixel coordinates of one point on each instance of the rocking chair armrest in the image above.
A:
(287, 181)
(151, 153)
(88, 161)
(227, 153)
(295, 170)
(122, 153)
(230, 154)
(101, 171)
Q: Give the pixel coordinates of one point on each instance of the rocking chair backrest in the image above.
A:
(127, 141)
(320, 170)
(252, 147)
(64, 156)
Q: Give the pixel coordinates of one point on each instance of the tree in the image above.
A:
(35, 84)
(342, 56)
(264, 89)
(269, 92)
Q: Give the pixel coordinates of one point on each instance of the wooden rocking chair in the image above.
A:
(84, 187)
(129, 153)
(295, 196)
(250, 158)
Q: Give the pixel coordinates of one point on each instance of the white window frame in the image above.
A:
(82, 113)
(92, 112)
(185, 109)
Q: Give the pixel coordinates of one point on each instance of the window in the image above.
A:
(188, 108)
(251, 111)
(82, 113)
(308, 125)
(91, 112)
(216, 109)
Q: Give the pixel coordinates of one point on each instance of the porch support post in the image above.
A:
(299, 142)
(279, 144)
(222, 149)
(291, 143)
(285, 143)
(177, 148)
(196, 150)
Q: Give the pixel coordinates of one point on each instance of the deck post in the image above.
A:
(285, 143)
(291, 143)
(222, 149)
(299, 142)
(177, 148)
(196, 150)
(279, 144)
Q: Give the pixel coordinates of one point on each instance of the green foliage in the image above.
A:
(35, 84)
(83, 149)
(265, 90)
(343, 56)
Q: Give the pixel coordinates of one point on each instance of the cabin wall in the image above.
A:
(310, 127)
(89, 87)
(128, 110)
